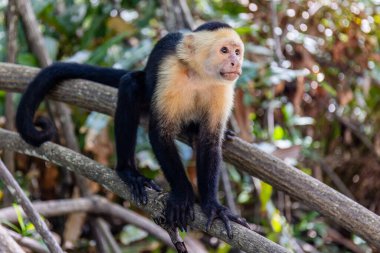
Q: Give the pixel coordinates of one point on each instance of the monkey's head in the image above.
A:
(215, 54)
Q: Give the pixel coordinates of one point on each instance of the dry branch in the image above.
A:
(33, 216)
(243, 155)
(7, 243)
(99, 206)
(27, 242)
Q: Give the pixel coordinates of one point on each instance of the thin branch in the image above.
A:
(7, 243)
(34, 217)
(93, 205)
(277, 41)
(33, 34)
(27, 242)
(105, 230)
(11, 22)
(228, 189)
(244, 238)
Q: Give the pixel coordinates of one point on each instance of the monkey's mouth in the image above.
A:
(230, 76)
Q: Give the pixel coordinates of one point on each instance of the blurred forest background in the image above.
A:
(309, 94)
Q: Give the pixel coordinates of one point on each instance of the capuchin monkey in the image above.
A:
(186, 87)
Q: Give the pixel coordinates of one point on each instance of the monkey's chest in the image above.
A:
(179, 103)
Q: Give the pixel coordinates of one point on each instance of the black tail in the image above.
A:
(47, 79)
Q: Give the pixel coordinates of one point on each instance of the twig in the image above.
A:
(34, 217)
(228, 189)
(242, 155)
(105, 230)
(11, 22)
(33, 33)
(7, 244)
(277, 42)
(336, 180)
(244, 238)
(94, 205)
(27, 242)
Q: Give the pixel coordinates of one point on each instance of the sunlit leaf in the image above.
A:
(275, 222)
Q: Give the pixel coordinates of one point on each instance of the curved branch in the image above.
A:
(243, 155)
(244, 238)
(94, 205)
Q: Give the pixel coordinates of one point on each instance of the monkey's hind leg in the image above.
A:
(180, 204)
(127, 115)
(209, 160)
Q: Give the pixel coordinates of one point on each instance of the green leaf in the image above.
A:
(275, 222)
(329, 89)
(27, 59)
(20, 219)
(101, 51)
(278, 133)
(265, 194)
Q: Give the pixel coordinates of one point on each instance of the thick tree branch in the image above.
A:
(243, 155)
(244, 238)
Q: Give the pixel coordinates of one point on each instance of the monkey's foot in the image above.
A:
(137, 183)
(229, 135)
(180, 210)
(217, 211)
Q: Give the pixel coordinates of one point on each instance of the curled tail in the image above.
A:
(46, 80)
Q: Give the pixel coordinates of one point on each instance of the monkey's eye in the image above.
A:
(224, 50)
(237, 52)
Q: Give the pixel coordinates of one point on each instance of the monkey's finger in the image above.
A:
(151, 184)
(144, 196)
(239, 220)
(227, 224)
(229, 135)
(133, 192)
(210, 220)
(183, 217)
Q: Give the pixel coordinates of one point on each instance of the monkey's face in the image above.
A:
(214, 55)
(231, 58)
(225, 59)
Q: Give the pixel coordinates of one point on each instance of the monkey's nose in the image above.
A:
(232, 64)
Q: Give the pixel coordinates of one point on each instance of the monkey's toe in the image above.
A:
(216, 211)
(180, 210)
(136, 184)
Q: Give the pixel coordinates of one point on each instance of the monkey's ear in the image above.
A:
(188, 42)
(186, 47)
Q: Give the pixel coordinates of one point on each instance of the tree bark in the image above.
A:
(7, 244)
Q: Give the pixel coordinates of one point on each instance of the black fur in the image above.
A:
(46, 80)
(134, 98)
(212, 26)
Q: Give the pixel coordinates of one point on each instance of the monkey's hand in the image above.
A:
(229, 135)
(214, 210)
(180, 209)
(137, 183)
